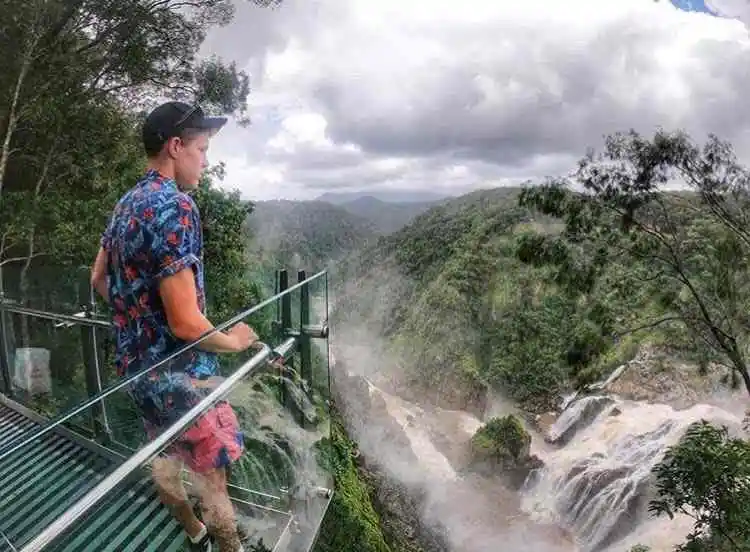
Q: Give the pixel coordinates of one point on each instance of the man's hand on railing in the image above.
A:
(244, 337)
(215, 381)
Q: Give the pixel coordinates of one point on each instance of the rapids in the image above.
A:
(591, 495)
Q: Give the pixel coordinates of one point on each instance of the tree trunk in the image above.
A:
(24, 288)
(738, 360)
(13, 112)
(30, 254)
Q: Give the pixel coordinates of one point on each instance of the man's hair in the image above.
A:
(187, 135)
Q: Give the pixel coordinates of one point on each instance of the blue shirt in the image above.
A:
(154, 232)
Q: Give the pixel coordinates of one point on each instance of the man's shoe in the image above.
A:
(203, 545)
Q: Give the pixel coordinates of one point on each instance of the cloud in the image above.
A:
(449, 96)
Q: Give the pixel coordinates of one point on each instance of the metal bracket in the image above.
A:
(316, 331)
(83, 314)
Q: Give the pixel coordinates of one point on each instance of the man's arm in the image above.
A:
(188, 323)
(175, 250)
(99, 274)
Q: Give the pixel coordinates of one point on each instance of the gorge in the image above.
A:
(591, 495)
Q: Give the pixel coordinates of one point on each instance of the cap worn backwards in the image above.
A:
(172, 118)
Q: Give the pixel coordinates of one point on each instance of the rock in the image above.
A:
(400, 509)
(658, 375)
(579, 415)
(543, 422)
(501, 447)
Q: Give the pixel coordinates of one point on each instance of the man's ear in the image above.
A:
(174, 146)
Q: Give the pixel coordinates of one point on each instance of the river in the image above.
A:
(591, 496)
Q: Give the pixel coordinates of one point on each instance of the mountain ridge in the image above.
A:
(386, 196)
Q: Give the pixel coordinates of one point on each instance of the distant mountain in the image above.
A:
(305, 234)
(388, 196)
(387, 217)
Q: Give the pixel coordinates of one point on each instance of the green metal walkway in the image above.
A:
(39, 483)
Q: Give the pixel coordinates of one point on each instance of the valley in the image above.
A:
(556, 361)
(480, 308)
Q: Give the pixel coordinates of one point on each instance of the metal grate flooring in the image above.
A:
(42, 480)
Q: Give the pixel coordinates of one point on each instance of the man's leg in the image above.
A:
(217, 442)
(166, 475)
(216, 507)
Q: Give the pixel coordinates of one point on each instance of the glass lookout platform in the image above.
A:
(74, 458)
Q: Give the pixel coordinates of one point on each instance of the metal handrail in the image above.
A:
(21, 442)
(82, 319)
(143, 455)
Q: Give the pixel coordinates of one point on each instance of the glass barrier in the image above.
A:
(50, 364)
(93, 482)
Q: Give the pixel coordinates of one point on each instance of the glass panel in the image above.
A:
(46, 286)
(285, 414)
(279, 485)
(47, 357)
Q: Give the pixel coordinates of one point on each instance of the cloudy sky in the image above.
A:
(450, 96)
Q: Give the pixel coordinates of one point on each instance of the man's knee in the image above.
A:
(212, 481)
(166, 474)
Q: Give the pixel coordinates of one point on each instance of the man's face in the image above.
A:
(190, 160)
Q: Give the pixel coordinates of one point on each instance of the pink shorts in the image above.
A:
(213, 441)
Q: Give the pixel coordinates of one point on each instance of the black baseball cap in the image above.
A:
(171, 118)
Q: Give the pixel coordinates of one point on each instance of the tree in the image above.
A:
(229, 288)
(707, 477)
(73, 76)
(686, 251)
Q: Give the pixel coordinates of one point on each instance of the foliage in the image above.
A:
(502, 440)
(687, 251)
(352, 523)
(305, 235)
(229, 286)
(707, 476)
(72, 78)
(463, 311)
(384, 217)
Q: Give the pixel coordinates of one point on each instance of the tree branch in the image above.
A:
(652, 325)
(20, 259)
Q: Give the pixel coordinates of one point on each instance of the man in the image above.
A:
(150, 270)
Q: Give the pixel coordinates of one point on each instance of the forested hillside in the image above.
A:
(387, 216)
(313, 235)
(536, 291)
(307, 235)
(457, 294)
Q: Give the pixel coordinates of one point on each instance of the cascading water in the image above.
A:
(598, 483)
(281, 462)
(592, 494)
(425, 449)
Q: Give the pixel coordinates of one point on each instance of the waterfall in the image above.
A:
(598, 483)
(425, 448)
(591, 495)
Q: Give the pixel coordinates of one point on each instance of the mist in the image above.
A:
(418, 445)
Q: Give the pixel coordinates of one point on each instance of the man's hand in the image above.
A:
(243, 335)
